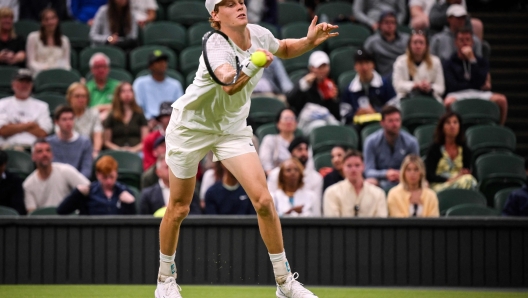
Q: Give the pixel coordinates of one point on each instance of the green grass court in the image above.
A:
(240, 292)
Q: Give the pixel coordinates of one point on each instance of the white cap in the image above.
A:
(318, 58)
(456, 10)
(210, 5)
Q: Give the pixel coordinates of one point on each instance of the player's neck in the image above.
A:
(239, 35)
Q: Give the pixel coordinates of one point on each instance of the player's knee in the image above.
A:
(264, 205)
(177, 212)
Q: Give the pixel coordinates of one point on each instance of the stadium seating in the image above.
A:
(78, 34)
(187, 13)
(482, 139)
(264, 110)
(296, 75)
(420, 111)
(341, 61)
(24, 27)
(196, 33)
(471, 210)
(190, 59)
(453, 197)
(130, 166)
(55, 80)
(165, 33)
(170, 73)
(476, 111)
(290, 12)
(44, 211)
(322, 160)
(344, 79)
(368, 130)
(324, 138)
(424, 134)
(117, 57)
(52, 99)
(6, 211)
(139, 57)
(74, 59)
(349, 35)
(121, 75)
(298, 30)
(332, 11)
(501, 197)
(161, 14)
(297, 63)
(271, 128)
(19, 163)
(6, 76)
(272, 28)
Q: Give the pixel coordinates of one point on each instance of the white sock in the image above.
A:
(281, 267)
(167, 267)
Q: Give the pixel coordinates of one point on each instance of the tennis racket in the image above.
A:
(220, 58)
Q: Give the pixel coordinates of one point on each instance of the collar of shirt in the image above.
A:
(356, 86)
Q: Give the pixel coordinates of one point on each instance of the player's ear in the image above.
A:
(214, 15)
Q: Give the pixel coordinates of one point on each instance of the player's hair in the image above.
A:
(6, 12)
(98, 55)
(215, 24)
(57, 35)
(118, 17)
(439, 135)
(388, 110)
(106, 165)
(72, 88)
(61, 109)
(353, 153)
(118, 111)
(427, 55)
(282, 182)
(415, 159)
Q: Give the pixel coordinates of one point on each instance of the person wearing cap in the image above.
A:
(149, 142)
(368, 12)
(299, 149)
(386, 44)
(101, 87)
(369, 91)
(438, 18)
(212, 117)
(23, 118)
(315, 96)
(114, 24)
(155, 88)
(443, 43)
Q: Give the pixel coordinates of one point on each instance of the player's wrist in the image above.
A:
(249, 68)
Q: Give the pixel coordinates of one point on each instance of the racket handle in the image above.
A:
(249, 68)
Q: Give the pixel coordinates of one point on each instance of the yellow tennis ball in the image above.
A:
(259, 58)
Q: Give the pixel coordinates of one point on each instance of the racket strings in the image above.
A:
(222, 58)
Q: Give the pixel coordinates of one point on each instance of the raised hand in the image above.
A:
(318, 33)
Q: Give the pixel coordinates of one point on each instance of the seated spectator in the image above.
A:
(101, 87)
(227, 197)
(68, 146)
(105, 196)
(51, 181)
(386, 148)
(368, 92)
(368, 12)
(144, 11)
(12, 46)
(156, 196)
(293, 198)
(314, 97)
(210, 177)
(438, 19)
(386, 44)
(443, 43)
(448, 160)
(354, 197)
(87, 122)
(31, 9)
(274, 148)
(48, 48)
(149, 143)
(517, 203)
(337, 153)
(467, 76)
(11, 187)
(411, 197)
(13, 5)
(23, 118)
(84, 11)
(126, 126)
(312, 179)
(149, 178)
(419, 10)
(115, 25)
(274, 82)
(154, 89)
(417, 72)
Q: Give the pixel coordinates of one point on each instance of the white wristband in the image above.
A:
(249, 68)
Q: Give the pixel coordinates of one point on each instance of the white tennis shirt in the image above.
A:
(205, 106)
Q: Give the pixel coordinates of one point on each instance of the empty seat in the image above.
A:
(55, 80)
(19, 163)
(78, 33)
(6, 76)
(368, 130)
(349, 35)
(196, 32)
(52, 99)
(501, 197)
(420, 111)
(453, 197)
(424, 134)
(190, 59)
(341, 61)
(187, 12)
(290, 12)
(7, 211)
(117, 57)
(482, 139)
(139, 57)
(264, 109)
(170, 73)
(322, 160)
(471, 210)
(24, 27)
(44, 211)
(165, 33)
(344, 80)
(324, 138)
(476, 111)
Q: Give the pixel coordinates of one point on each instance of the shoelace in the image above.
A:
(296, 288)
(170, 288)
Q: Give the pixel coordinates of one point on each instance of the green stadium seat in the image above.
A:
(19, 163)
(165, 2)
(74, 59)
(453, 197)
(322, 160)
(78, 34)
(170, 73)
(291, 12)
(6, 211)
(117, 57)
(119, 74)
(24, 27)
(298, 30)
(4, 94)
(296, 75)
(55, 80)
(418, 111)
(349, 35)
(476, 111)
(471, 210)
(170, 34)
(196, 32)
(130, 166)
(137, 195)
(44, 211)
(482, 139)
(187, 12)
(496, 171)
(264, 110)
(501, 197)
(324, 138)
(297, 63)
(341, 61)
(404, 29)
(139, 57)
(161, 13)
(368, 130)
(344, 79)
(332, 11)
(6, 76)
(52, 99)
(424, 134)
(271, 129)
(190, 59)
(272, 28)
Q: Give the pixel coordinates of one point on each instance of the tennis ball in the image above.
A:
(259, 58)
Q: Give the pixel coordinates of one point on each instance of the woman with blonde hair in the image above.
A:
(125, 128)
(292, 198)
(411, 197)
(12, 46)
(87, 121)
(417, 72)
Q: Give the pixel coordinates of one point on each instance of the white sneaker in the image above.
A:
(291, 288)
(168, 289)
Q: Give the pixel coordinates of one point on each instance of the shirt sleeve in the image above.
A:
(74, 177)
(64, 60)
(70, 203)
(359, 14)
(87, 159)
(400, 77)
(30, 199)
(97, 29)
(98, 125)
(371, 170)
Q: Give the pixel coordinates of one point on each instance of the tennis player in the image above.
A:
(213, 117)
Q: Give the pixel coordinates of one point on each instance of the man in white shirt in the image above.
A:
(312, 179)
(353, 197)
(51, 182)
(23, 118)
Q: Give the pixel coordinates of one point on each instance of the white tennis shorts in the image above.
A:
(186, 147)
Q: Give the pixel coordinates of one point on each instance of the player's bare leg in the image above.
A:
(247, 169)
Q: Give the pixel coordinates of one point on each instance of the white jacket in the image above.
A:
(403, 84)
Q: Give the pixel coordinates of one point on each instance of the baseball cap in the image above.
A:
(23, 74)
(362, 55)
(318, 58)
(157, 55)
(210, 5)
(165, 109)
(456, 10)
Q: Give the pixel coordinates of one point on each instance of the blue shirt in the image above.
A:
(151, 93)
(517, 203)
(76, 152)
(380, 156)
(220, 200)
(84, 10)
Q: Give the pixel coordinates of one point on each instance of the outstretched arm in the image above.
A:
(317, 34)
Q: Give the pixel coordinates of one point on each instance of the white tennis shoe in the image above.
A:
(168, 289)
(291, 288)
